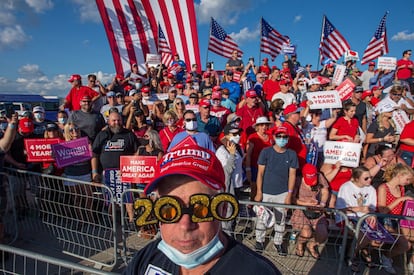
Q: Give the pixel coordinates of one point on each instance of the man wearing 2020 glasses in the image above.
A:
(192, 241)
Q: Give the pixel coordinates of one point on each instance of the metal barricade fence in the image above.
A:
(8, 215)
(383, 235)
(243, 229)
(18, 261)
(76, 214)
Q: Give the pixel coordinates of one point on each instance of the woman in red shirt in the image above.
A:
(391, 198)
(346, 127)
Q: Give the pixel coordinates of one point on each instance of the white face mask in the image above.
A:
(38, 115)
(191, 125)
(195, 258)
(62, 120)
(235, 139)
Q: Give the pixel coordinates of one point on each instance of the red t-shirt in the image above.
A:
(346, 128)
(258, 145)
(76, 94)
(405, 72)
(248, 118)
(166, 136)
(407, 132)
(340, 178)
(270, 87)
(296, 142)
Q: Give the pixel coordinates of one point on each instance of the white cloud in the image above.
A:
(404, 35)
(245, 35)
(40, 6)
(12, 37)
(6, 18)
(297, 18)
(88, 11)
(226, 12)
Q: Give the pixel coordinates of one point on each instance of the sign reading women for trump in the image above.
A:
(408, 212)
(39, 149)
(71, 152)
(348, 153)
(138, 169)
(324, 100)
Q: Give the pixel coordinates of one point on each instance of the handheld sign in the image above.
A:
(324, 100)
(351, 56)
(348, 153)
(345, 89)
(409, 212)
(387, 63)
(400, 119)
(138, 169)
(339, 74)
(379, 233)
(153, 60)
(71, 152)
(112, 179)
(39, 149)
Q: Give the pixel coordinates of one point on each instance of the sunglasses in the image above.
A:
(190, 119)
(367, 178)
(73, 129)
(397, 94)
(281, 136)
(86, 101)
(179, 103)
(146, 136)
(202, 208)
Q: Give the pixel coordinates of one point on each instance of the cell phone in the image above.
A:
(9, 110)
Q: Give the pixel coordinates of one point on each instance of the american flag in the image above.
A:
(333, 45)
(220, 43)
(132, 27)
(164, 48)
(272, 41)
(378, 45)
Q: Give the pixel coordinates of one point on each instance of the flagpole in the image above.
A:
(319, 55)
(260, 43)
(208, 39)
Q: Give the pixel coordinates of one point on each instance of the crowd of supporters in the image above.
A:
(261, 124)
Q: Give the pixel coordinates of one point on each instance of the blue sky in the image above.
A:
(43, 42)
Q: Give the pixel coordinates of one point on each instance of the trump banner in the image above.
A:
(348, 153)
(138, 169)
(40, 149)
(408, 212)
(324, 100)
(71, 152)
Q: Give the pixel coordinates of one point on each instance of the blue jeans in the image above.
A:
(407, 157)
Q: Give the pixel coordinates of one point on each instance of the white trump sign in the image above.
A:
(324, 100)
(348, 153)
(387, 63)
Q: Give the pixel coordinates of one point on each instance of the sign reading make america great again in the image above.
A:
(71, 152)
(138, 169)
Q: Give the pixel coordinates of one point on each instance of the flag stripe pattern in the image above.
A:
(221, 43)
(271, 41)
(333, 45)
(164, 49)
(378, 45)
(132, 28)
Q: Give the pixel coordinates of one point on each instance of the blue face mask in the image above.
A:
(281, 142)
(195, 258)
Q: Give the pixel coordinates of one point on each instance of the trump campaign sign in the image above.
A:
(324, 100)
(345, 89)
(348, 153)
(339, 74)
(71, 152)
(40, 149)
(387, 63)
(138, 169)
(400, 119)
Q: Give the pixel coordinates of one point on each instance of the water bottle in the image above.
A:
(292, 237)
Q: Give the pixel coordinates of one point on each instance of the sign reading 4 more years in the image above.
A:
(348, 153)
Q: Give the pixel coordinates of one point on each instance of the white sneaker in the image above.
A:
(387, 265)
(410, 267)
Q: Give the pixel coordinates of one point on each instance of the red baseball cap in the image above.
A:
(278, 130)
(284, 82)
(170, 76)
(179, 86)
(371, 64)
(120, 76)
(217, 88)
(145, 89)
(366, 93)
(86, 97)
(189, 80)
(193, 161)
(310, 174)
(74, 77)
(26, 125)
(251, 93)
(292, 108)
(216, 95)
(204, 103)
(265, 59)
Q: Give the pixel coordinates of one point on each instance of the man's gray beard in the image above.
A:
(115, 129)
